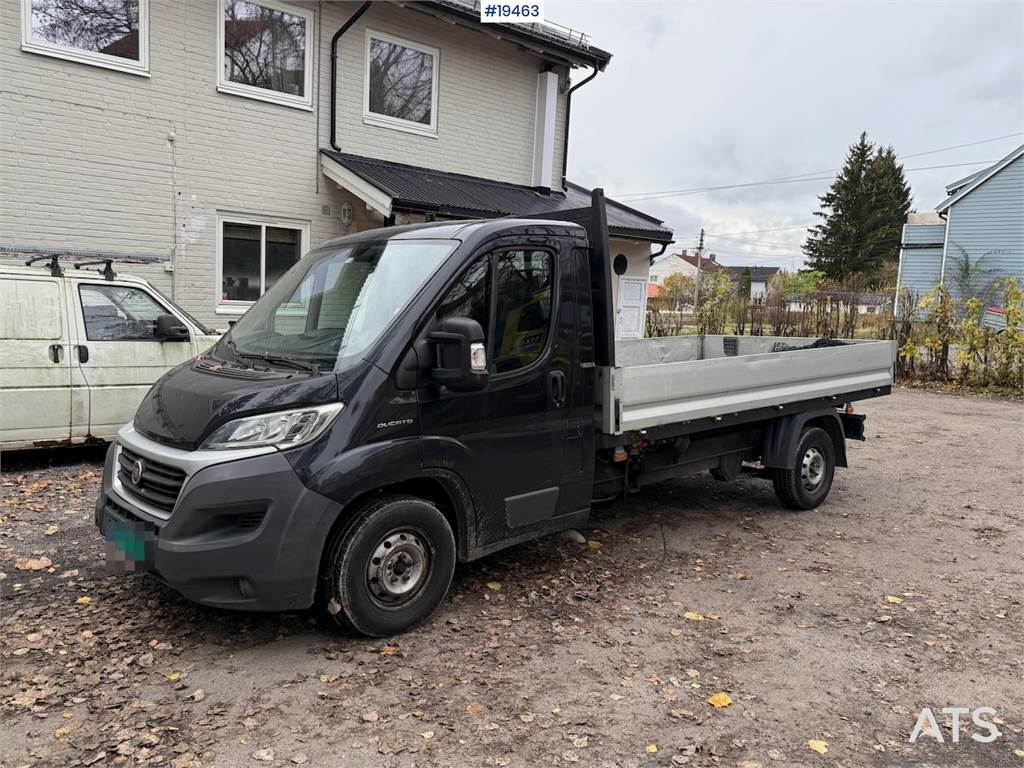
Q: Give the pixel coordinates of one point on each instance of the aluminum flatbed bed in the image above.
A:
(679, 379)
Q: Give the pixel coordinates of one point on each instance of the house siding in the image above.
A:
(88, 162)
(921, 268)
(988, 225)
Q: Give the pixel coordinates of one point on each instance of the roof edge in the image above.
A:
(982, 177)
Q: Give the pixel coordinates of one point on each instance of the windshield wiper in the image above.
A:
(301, 365)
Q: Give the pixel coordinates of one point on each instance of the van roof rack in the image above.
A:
(107, 260)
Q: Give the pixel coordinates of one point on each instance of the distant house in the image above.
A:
(682, 263)
(866, 303)
(980, 226)
(759, 279)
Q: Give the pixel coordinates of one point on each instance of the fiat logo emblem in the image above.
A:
(137, 471)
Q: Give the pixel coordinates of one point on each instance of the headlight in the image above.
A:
(282, 429)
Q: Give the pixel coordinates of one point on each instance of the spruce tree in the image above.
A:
(862, 216)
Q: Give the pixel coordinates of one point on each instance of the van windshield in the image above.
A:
(337, 300)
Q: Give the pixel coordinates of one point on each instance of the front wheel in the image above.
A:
(389, 568)
(808, 479)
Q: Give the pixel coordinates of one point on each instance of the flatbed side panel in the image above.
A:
(653, 395)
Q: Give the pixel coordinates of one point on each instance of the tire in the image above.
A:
(389, 568)
(807, 482)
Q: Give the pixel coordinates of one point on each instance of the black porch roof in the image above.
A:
(413, 189)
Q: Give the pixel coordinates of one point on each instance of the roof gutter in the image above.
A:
(568, 115)
(334, 69)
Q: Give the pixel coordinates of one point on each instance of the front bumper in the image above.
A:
(243, 534)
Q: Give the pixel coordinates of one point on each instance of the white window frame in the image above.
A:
(96, 59)
(265, 94)
(234, 307)
(397, 123)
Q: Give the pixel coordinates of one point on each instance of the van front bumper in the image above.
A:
(243, 534)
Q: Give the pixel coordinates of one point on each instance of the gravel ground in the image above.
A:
(836, 625)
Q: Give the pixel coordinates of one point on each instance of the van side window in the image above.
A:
(119, 313)
(469, 297)
(31, 309)
(522, 322)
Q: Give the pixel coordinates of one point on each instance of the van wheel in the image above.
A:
(808, 480)
(389, 568)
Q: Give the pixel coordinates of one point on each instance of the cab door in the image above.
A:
(509, 439)
(118, 354)
(35, 377)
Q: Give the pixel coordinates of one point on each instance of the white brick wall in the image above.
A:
(87, 162)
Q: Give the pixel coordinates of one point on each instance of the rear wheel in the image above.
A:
(389, 568)
(807, 481)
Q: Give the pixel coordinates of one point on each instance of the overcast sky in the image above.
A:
(705, 94)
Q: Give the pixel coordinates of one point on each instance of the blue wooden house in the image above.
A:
(974, 239)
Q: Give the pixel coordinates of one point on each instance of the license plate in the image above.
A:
(130, 544)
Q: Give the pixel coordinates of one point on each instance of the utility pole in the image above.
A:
(696, 284)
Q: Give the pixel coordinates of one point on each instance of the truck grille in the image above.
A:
(159, 485)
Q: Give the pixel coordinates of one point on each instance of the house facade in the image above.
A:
(760, 277)
(222, 140)
(974, 238)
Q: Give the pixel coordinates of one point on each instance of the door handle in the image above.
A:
(556, 385)
(56, 353)
(83, 353)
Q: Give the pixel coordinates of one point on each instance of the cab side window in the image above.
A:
(522, 296)
(522, 322)
(469, 297)
(119, 313)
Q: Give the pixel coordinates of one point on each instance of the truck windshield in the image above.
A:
(337, 300)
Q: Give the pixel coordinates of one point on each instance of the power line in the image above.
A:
(789, 180)
(758, 231)
(836, 170)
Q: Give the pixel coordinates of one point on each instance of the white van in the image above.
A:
(79, 350)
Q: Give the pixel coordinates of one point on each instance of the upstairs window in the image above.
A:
(106, 33)
(401, 84)
(265, 52)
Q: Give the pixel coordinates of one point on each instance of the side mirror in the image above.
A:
(460, 357)
(170, 328)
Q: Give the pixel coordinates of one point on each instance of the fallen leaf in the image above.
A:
(676, 632)
(145, 660)
(570, 756)
(475, 709)
(593, 544)
(198, 695)
(32, 563)
(174, 677)
(371, 717)
(652, 748)
(693, 616)
(580, 741)
(719, 700)
(51, 529)
(495, 585)
(1019, 752)
(264, 755)
(893, 599)
(388, 650)
(1001, 615)
(818, 746)
(527, 717)
(299, 758)
(427, 735)
(83, 600)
